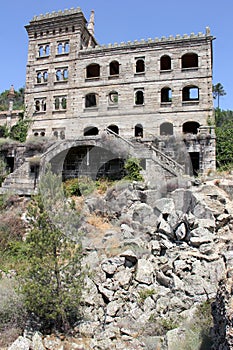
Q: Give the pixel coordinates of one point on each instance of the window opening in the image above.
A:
(114, 128)
(59, 48)
(190, 93)
(90, 100)
(113, 97)
(63, 103)
(93, 71)
(140, 66)
(166, 95)
(47, 50)
(66, 47)
(166, 129)
(39, 76)
(190, 127)
(114, 68)
(91, 131)
(138, 130)
(190, 60)
(139, 97)
(165, 62)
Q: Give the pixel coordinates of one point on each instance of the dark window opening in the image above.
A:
(114, 68)
(166, 95)
(195, 161)
(37, 106)
(113, 97)
(42, 133)
(39, 76)
(91, 131)
(114, 128)
(166, 129)
(190, 127)
(93, 71)
(190, 60)
(138, 130)
(36, 133)
(10, 161)
(139, 97)
(165, 63)
(140, 66)
(90, 100)
(190, 93)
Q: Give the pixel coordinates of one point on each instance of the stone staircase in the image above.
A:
(20, 182)
(148, 151)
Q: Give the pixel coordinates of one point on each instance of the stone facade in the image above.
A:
(152, 89)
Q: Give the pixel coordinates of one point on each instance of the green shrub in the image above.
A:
(133, 168)
(12, 311)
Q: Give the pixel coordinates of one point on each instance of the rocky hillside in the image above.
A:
(156, 259)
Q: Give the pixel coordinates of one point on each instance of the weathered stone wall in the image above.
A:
(58, 28)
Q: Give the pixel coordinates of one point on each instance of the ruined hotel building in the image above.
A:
(143, 92)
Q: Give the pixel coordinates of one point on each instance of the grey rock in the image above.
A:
(20, 343)
(37, 343)
(145, 271)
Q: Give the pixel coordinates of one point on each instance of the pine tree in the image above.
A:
(53, 280)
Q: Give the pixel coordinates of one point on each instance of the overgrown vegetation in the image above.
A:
(53, 279)
(18, 100)
(133, 169)
(19, 131)
(224, 139)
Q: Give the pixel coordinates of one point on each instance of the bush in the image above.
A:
(12, 311)
(133, 168)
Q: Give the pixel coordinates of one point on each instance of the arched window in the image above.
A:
(47, 50)
(91, 130)
(90, 100)
(114, 68)
(66, 47)
(62, 135)
(138, 130)
(140, 65)
(45, 77)
(59, 48)
(41, 51)
(190, 127)
(63, 102)
(189, 60)
(37, 105)
(93, 70)
(39, 78)
(166, 129)
(58, 75)
(165, 62)
(113, 98)
(65, 74)
(166, 95)
(190, 93)
(57, 103)
(139, 97)
(114, 128)
(43, 105)
(55, 134)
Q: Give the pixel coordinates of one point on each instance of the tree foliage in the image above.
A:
(19, 131)
(133, 168)
(218, 91)
(18, 100)
(53, 280)
(224, 145)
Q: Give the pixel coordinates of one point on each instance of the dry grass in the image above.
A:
(98, 222)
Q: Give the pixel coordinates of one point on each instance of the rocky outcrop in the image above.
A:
(153, 260)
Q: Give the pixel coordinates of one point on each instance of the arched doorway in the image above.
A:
(138, 130)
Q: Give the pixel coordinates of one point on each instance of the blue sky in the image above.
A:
(123, 20)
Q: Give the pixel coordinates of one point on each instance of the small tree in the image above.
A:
(224, 145)
(133, 168)
(53, 280)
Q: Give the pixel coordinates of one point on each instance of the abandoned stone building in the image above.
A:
(149, 95)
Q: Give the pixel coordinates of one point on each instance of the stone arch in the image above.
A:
(166, 129)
